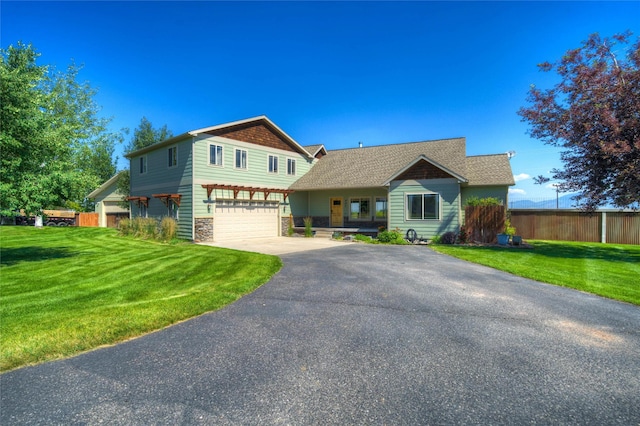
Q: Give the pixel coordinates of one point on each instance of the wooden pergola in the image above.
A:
(167, 198)
(139, 201)
(210, 187)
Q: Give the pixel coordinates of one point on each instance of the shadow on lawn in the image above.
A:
(13, 256)
(575, 251)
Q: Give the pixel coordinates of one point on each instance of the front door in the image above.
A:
(336, 212)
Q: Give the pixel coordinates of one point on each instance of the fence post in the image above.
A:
(603, 228)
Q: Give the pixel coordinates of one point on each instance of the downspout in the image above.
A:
(193, 189)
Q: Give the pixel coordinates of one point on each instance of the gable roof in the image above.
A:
(315, 149)
(376, 165)
(206, 131)
(97, 191)
(488, 170)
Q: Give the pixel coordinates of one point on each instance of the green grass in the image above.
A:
(609, 270)
(67, 290)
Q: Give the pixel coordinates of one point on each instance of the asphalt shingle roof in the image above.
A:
(374, 166)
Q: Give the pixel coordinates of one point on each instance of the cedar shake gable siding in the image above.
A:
(423, 170)
(256, 133)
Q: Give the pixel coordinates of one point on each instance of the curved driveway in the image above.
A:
(360, 334)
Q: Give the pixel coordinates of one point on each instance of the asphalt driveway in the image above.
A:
(360, 334)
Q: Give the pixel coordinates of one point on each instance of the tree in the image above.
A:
(143, 136)
(593, 113)
(55, 148)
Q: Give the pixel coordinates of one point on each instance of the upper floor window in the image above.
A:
(423, 206)
(291, 166)
(273, 164)
(381, 208)
(359, 209)
(143, 164)
(215, 155)
(173, 156)
(241, 159)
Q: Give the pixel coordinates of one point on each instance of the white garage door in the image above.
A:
(233, 222)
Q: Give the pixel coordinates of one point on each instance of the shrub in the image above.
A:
(124, 227)
(363, 238)
(149, 228)
(488, 201)
(389, 236)
(436, 239)
(508, 228)
(290, 230)
(448, 238)
(463, 236)
(168, 229)
(308, 222)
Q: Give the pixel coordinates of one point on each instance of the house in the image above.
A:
(249, 178)
(108, 202)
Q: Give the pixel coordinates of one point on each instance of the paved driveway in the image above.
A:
(279, 245)
(360, 334)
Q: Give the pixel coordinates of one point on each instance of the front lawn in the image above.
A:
(609, 270)
(67, 290)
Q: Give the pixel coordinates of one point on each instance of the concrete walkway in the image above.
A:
(279, 245)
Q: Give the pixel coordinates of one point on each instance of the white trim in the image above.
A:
(221, 165)
(235, 160)
(277, 165)
(199, 132)
(105, 185)
(295, 166)
(433, 163)
(375, 210)
(406, 206)
(363, 197)
(146, 164)
(169, 148)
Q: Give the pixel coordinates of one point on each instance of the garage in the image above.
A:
(235, 219)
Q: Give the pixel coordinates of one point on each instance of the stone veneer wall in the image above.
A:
(204, 229)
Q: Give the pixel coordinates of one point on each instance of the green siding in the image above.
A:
(160, 178)
(256, 175)
(449, 191)
(320, 201)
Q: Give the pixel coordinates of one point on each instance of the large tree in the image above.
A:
(143, 136)
(55, 147)
(593, 113)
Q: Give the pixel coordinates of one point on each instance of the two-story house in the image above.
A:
(248, 178)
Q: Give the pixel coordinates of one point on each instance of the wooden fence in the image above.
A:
(87, 219)
(484, 223)
(609, 226)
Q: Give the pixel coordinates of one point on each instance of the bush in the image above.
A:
(290, 230)
(124, 227)
(391, 237)
(168, 229)
(463, 236)
(308, 222)
(363, 238)
(448, 238)
(488, 201)
(436, 239)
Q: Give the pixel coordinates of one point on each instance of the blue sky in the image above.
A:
(335, 73)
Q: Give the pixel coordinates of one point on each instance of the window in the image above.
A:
(381, 208)
(241, 159)
(273, 164)
(143, 164)
(173, 156)
(359, 209)
(215, 155)
(173, 210)
(291, 166)
(423, 206)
